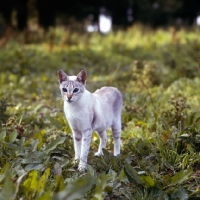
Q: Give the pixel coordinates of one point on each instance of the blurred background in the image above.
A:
(135, 45)
(102, 16)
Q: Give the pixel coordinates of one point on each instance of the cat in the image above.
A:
(87, 112)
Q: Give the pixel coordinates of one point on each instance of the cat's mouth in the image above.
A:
(69, 100)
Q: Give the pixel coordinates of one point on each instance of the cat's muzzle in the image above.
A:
(69, 96)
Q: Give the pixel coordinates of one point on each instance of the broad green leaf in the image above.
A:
(185, 161)
(132, 174)
(106, 153)
(34, 157)
(90, 170)
(3, 171)
(182, 194)
(54, 143)
(76, 189)
(37, 108)
(43, 180)
(59, 183)
(122, 175)
(140, 144)
(148, 181)
(2, 135)
(113, 162)
(100, 185)
(31, 183)
(141, 123)
(22, 142)
(34, 144)
(112, 174)
(39, 136)
(181, 176)
(12, 136)
(12, 148)
(18, 170)
(166, 179)
(34, 166)
(45, 196)
(8, 189)
(55, 122)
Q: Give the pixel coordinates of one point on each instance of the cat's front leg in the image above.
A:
(102, 144)
(86, 140)
(77, 144)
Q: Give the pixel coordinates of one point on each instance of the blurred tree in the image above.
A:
(124, 12)
(156, 12)
(189, 10)
(7, 9)
(20, 6)
(46, 12)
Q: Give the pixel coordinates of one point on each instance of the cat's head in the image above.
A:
(72, 87)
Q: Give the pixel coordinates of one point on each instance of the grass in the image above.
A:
(156, 71)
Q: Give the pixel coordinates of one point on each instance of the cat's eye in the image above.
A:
(64, 89)
(75, 90)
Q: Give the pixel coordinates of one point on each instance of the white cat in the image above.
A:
(87, 112)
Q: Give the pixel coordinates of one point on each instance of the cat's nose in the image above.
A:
(69, 96)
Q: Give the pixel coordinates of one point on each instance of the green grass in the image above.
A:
(158, 74)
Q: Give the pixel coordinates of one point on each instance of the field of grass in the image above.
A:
(157, 72)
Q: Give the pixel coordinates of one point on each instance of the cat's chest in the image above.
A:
(76, 116)
(72, 114)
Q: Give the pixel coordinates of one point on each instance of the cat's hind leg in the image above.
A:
(102, 144)
(116, 130)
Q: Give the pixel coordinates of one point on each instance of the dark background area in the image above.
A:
(124, 12)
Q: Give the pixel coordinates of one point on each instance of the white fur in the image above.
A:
(90, 112)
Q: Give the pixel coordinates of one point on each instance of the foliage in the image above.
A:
(159, 79)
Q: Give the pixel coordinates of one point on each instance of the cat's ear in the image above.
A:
(81, 77)
(62, 76)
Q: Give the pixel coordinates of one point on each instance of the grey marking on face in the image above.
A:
(71, 85)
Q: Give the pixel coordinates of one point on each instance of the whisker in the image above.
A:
(59, 97)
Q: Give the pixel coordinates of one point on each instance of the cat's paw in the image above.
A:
(82, 168)
(98, 154)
